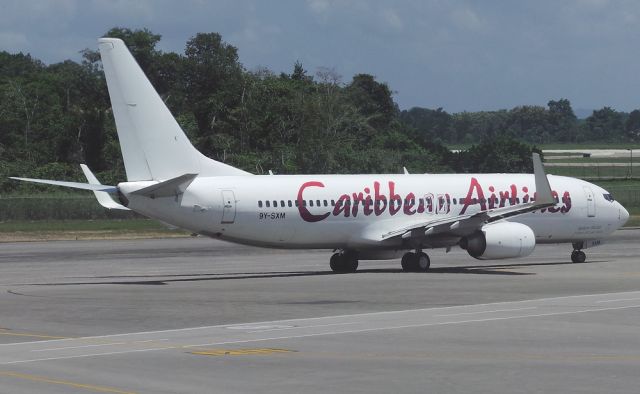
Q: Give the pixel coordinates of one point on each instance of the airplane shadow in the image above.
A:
(154, 280)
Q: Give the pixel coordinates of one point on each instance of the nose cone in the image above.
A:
(623, 215)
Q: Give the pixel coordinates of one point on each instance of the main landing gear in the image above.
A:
(346, 261)
(415, 262)
(578, 256)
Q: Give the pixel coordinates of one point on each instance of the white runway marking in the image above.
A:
(618, 300)
(97, 345)
(493, 311)
(220, 335)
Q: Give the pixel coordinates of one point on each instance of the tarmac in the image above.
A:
(195, 315)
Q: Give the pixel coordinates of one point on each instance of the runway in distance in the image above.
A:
(360, 217)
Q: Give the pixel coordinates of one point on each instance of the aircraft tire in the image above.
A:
(423, 262)
(336, 263)
(350, 261)
(409, 262)
(578, 256)
(347, 262)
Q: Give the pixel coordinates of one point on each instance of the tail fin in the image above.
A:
(154, 147)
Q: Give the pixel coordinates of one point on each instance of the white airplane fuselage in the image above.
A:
(353, 211)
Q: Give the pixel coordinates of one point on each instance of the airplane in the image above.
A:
(359, 217)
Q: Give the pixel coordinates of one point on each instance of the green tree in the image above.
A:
(632, 125)
(213, 87)
(430, 125)
(563, 121)
(372, 99)
(605, 124)
(501, 154)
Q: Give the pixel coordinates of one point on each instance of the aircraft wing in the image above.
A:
(467, 224)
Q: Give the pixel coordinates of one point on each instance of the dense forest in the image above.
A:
(53, 117)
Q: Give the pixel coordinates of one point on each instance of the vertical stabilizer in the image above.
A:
(154, 147)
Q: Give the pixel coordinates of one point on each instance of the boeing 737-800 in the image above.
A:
(359, 217)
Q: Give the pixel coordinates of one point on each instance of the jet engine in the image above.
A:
(501, 240)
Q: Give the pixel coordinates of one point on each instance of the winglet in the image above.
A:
(406, 172)
(543, 189)
(103, 197)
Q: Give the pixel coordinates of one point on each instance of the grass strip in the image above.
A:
(48, 230)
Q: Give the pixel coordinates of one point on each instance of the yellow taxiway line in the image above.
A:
(42, 379)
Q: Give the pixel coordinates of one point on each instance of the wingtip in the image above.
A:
(543, 188)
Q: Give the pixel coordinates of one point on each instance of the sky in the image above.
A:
(455, 54)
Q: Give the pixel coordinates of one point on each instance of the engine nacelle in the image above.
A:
(502, 240)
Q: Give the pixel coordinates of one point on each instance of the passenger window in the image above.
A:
(454, 201)
(267, 203)
(333, 203)
(275, 204)
(289, 203)
(297, 203)
(310, 203)
(317, 203)
(304, 203)
(260, 204)
(325, 203)
(282, 203)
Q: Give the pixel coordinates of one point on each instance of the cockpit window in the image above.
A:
(608, 197)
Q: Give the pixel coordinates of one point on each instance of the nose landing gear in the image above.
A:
(415, 262)
(578, 256)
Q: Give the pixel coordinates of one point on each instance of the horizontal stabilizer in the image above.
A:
(169, 188)
(75, 185)
(103, 198)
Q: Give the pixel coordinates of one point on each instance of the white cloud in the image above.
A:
(466, 18)
(43, 14)
(126, 9)
(318, 6)
(593, 3)
(392, 19)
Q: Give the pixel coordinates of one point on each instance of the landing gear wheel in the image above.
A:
(345, 262)
(350, 261)
(578, 256)
(409, 262)
(335, 262)
(423, 262)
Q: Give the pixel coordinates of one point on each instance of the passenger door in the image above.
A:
(228, 206)
(591, 203)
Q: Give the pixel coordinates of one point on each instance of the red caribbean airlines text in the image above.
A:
(376, 202)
